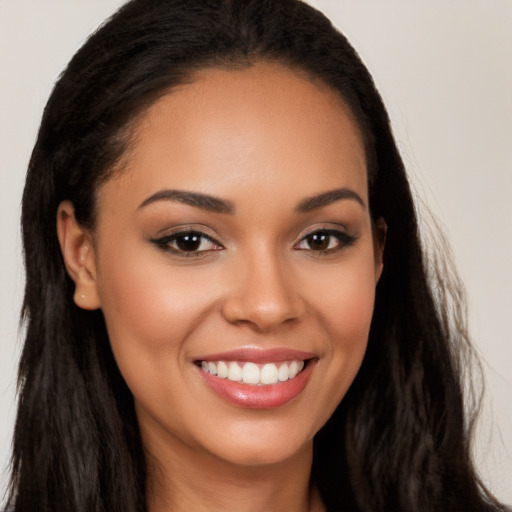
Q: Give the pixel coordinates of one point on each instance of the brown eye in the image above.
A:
(319, 241)
(326, 241)
(187, 243)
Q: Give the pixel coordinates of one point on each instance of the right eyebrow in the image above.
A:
(203, 201)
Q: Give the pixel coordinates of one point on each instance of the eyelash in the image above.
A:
(170, 242)
(166, 243)
(344, 240)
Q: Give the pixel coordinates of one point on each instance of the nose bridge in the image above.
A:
(263, 294)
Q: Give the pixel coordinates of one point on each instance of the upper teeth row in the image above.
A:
(251, 373)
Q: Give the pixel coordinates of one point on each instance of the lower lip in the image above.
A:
(259, 397)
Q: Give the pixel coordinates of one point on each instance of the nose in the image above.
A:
(263, 295)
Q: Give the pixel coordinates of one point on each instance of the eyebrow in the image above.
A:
(203, 201)
(326, 198)
(217, 205)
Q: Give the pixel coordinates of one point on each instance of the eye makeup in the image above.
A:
(187, 242)
(324, 241)
(193, 242)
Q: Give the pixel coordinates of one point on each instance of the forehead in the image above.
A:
(264, 126)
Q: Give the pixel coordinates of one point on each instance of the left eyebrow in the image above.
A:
(326, 198)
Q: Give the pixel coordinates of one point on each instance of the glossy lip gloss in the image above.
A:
(259, 396)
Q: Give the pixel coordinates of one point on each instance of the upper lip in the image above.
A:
(259, 355)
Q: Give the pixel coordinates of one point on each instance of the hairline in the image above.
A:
(128, 133)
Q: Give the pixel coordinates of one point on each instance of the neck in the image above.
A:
(181, 479)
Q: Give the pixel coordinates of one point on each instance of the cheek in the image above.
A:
(348, 299)
(151, 313)
(149, 310)
(345, 311)
(138, 288)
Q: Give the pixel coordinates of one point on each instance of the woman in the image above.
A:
(233, 311)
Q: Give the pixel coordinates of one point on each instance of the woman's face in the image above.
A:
(237, 245)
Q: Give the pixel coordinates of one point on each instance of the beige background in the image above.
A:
(445, 71)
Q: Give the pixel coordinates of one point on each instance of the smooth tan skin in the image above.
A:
(264, 138)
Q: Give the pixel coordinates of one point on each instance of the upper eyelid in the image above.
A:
(186, 228)
(204, 231)
(176, 234)
(345, 238)
(167, 244)
(332, 228)
(185, 232)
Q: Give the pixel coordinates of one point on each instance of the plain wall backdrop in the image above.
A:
(445, 72)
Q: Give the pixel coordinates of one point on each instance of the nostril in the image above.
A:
(262, 311)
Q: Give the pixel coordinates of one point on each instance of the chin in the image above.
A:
(250, 446)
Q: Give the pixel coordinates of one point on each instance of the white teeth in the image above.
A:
(234, 372)
(283, 373)
(268, 374)
(222, 369)
(292, 370)
(251, 373)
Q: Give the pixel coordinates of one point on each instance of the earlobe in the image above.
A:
(380, 230)
(79, 257)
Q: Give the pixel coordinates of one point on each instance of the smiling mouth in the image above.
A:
(257, 379)
(252, 373)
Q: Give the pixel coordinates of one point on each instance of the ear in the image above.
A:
(79, 257)
(380, 230)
